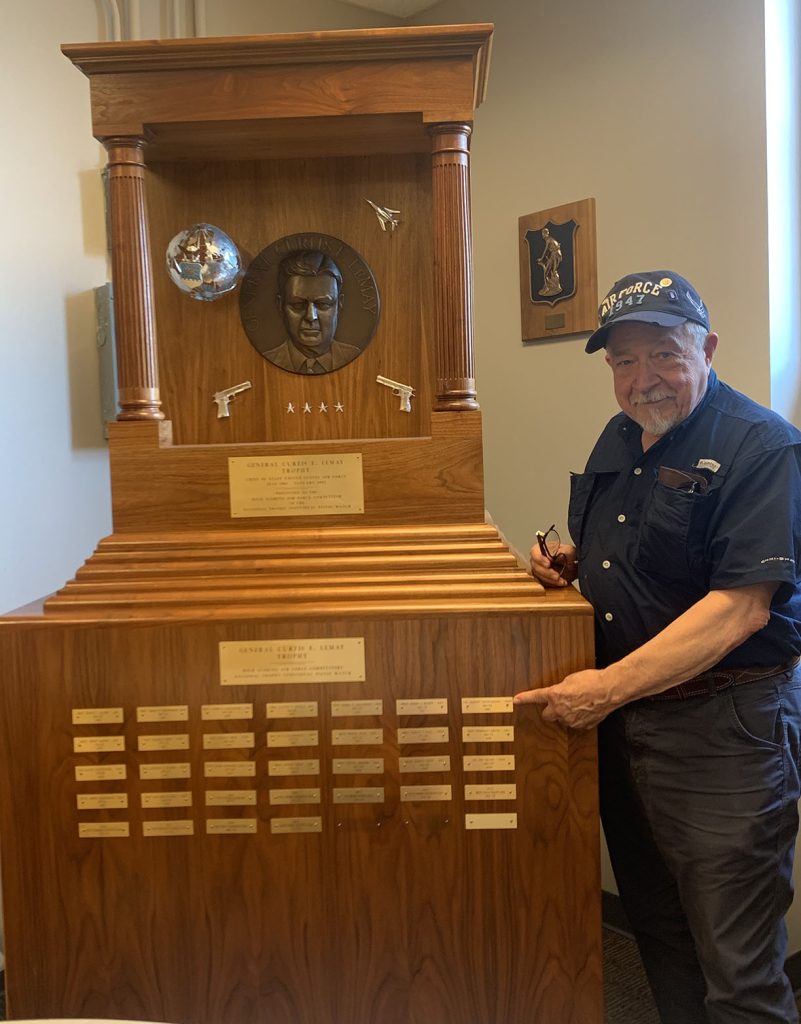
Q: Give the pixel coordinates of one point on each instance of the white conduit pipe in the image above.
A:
(113, 19)
(134, 20)
(199, 17)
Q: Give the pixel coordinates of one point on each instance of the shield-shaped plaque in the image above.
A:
(552, 262)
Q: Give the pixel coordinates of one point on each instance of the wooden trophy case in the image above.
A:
(261, 762)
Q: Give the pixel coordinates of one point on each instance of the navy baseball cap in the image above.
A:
(659, 297)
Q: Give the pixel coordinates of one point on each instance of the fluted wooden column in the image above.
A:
(137, 367)
(453, 268)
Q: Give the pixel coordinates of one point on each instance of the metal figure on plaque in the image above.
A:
(309, 304)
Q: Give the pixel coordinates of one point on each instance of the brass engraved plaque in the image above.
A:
(228, 740)
(294, 738)
(488, 733)
(104, 829)
(97, 716)
(291, 485)
(97, 744)
(491, 792)
(283, 826)
(102, 801)
(358, 766)
(357, 737)
(413, 794)
(489, 763)
(100, 772)
(356, 708)
(225, 712)
(163, 713)
(478, 821)
(164, 741)
(184, 827)
(171, 770)
(359, 795)
(230, 797)
(434, 735)
(229, 769)
(183, 798)
(486, 705)
(292, 709)
(230, 826)
(264, 662)
(309, 767)
(294, 796)
(438, 706)
(424, 764)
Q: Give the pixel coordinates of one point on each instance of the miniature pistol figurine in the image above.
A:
(404, 391)
(222, 398)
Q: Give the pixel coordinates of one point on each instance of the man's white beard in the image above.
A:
(654, 421)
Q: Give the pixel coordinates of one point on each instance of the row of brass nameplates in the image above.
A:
(265, 662)
(292, 485)
(278, 826)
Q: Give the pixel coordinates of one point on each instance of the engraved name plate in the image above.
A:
(488, 733)
(163, 713)
(319, 660)
(164, 741)
(225, 712)
(294, 796)
(183, 827)
(307, 767)
(291, 485)
(178, 799)
(100, 772)
(422, 707)
(230, 797)
(102, 801)
(294, 738)
(357, 737)
(413, 794)
(172, 770)
(424, 764)
(435, 735)
(230, 826)
(356, 708)
(284, 826)
(478, 821)
(358, 765)
(104, 829)
(359, 795)
(489, 762)
(228, 740)
(97, 716)
(97, 744)
(486, 705)
(491, 792)
(292, 709)
(229, 769)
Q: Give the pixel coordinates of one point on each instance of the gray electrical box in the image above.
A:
(106, 354)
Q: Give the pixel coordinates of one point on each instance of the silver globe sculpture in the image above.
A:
(204, 262)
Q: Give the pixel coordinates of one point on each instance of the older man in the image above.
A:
(687, 523)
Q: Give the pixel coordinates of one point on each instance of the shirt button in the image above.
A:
(606, 564)
(637, 471)
(621, 518)
(609, 616)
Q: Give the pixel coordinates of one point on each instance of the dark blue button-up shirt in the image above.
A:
(649, 549)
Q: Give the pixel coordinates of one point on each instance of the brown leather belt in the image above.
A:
(708, 683)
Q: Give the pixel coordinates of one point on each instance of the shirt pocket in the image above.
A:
(581, 485)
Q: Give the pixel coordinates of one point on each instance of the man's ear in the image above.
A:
(710, 344)
(279, 301)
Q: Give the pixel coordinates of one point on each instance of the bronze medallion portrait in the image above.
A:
(309, 303)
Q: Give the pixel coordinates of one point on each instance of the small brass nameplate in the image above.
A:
(292, 485)
(486, 705)
(488, 733)
(414, 794)
(104, 830)
(358, 766)
(436, 735)
(490, 792)
(424, 764)
(165, 741)
(179, 799)
(97, 716)
(294, 738)
(309, 767)
(422, 707)
(356, 708)
(553, 321)
(294, 796)
(478, 821)
(102, 801)
(230, 797)
(360, 795)
(225, 712)
(284, 826)
(97, 744)
(229, 769)
(100, 772)
(489, 763)
(292, 709)
(357, 737)
(230, 826)
(228, 740)
(172, 770)
(267, 662)
(183, 827)
(163, 713)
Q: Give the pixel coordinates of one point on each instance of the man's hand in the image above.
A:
(580, 701)
(548, 577)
